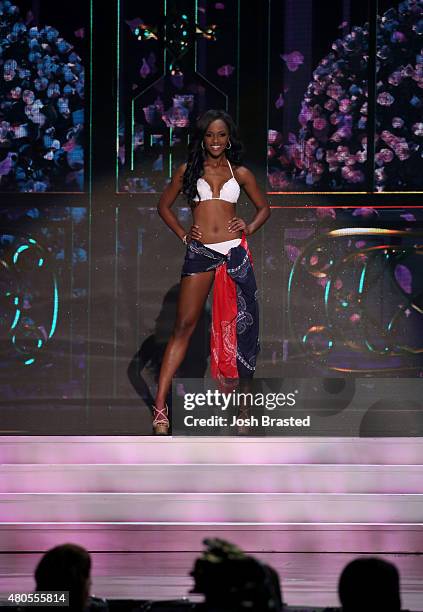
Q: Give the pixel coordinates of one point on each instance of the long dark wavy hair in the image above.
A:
(196, 154)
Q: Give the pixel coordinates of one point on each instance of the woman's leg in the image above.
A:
(192, 296)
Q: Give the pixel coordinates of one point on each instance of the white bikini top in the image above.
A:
(229, 191)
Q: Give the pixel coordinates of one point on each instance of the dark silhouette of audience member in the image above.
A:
(231, 580)
(370, 585)
(66, 568)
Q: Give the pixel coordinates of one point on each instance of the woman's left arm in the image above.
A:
(248, 182)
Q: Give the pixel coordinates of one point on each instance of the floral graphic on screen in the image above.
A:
(329, 152)
(41, 107)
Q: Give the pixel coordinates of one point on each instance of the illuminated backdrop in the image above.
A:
(89, 273)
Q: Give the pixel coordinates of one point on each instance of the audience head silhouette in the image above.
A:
(66, 568)
(370, 585)
(232, 580)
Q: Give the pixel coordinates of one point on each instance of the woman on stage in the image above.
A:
(217, 251)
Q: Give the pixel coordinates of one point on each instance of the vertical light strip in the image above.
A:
(90, 202)
(165, 32)
(371, 96)
(170, 152)
(165, 62)
(132, 133)
(115, 299)
(118, 95)
(238, 60)
(195, 39)
(137, 289)
(90, 173)
(269, 46)
(71, 309)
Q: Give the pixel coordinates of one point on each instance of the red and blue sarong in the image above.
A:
(235, 316)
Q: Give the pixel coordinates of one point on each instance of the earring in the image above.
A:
(202, 144)
(229, 143)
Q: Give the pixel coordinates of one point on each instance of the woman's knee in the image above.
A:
(184, 328)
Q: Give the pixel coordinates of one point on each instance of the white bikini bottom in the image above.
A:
(224, 247)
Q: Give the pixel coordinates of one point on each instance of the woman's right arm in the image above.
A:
(167, 200)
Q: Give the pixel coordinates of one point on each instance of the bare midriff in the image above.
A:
(212, 217)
